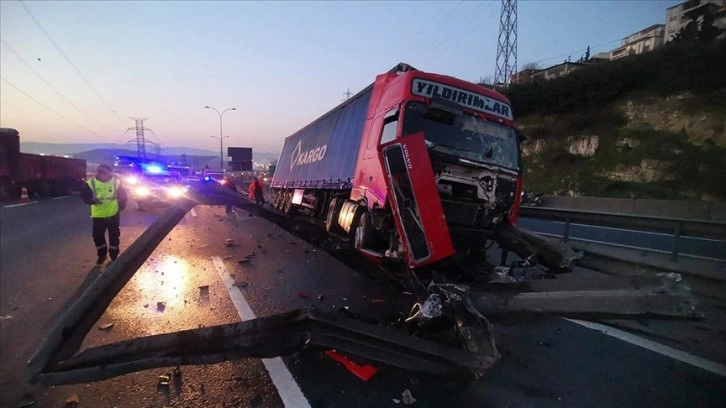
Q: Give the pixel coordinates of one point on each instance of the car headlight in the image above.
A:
(142, 191)
(132, 180)
(175, 191)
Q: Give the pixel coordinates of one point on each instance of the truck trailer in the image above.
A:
(40, 175)
(417, 166)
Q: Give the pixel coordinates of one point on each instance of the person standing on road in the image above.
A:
(256, 191)
(107, 198)
(229, 183)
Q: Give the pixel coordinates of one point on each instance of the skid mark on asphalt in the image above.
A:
(288, 389)
(662, 349)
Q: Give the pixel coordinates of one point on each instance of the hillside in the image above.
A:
(647, 126)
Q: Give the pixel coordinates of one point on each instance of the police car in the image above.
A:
(158, 187)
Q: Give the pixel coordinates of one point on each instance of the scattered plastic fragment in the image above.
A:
(164, 380)
(229, 242)
(244, 261)
(396, 401)
(408, 293)
(160, 306)
(240, 284)
(377, 300)
(364, 372)
(73, 399)
(106, 326)
(227, 257)
(407, 398)
(303, 295)
(6, 317)
(320, 298)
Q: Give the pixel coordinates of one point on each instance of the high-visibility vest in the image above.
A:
(104, 191)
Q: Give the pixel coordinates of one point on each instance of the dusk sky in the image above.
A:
(281, 64)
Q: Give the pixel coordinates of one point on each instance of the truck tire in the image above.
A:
(288, 208)
(365, 234)
(331, 218)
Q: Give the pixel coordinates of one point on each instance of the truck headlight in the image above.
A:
(142, 191)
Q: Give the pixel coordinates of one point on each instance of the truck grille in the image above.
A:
(460, 213)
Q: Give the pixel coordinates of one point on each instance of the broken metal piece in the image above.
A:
(613, 297)
(266, 337)
(556, 256)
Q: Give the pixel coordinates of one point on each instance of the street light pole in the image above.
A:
(221, 138)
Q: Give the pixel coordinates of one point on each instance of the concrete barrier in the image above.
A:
(695, 210)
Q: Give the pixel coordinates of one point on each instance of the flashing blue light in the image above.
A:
(154, 169)
(207, 178)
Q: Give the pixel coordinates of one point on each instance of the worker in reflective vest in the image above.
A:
(107, 198)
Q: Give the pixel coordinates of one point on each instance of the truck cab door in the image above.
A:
(414, 200)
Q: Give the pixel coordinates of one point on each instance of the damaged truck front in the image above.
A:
(417, 166)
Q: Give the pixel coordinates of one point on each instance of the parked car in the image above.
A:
(158, 188)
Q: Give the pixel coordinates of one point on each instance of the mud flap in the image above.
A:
(416, 205)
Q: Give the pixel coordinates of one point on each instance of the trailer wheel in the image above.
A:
(365, 234)
(288, 208)
(331, 218)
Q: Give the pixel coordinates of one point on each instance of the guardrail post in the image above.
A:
(566, 235)
(676, 240)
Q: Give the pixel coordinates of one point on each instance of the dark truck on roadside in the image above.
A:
(40, 175)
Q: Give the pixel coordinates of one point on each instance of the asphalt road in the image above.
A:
(47, 252)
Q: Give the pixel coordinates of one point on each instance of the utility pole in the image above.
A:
(347, 94)
(140, 140)
(507, 44)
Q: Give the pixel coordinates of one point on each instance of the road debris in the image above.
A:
(377, 301)
(73, 399)
(160, 306)
(320, 298)
(177, 372)
(229, 242)
(6, 317)
(396, 400)
(106, 326)
(204, 291)
(241, 284)
(303, 295)
(164, 380)
(227, 257)
(407, 398)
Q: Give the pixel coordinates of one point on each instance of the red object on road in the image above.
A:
(303, 295)
(364, 372)
(24, 195)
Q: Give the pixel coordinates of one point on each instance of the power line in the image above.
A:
(426, 34)
(50, 109)
(35, 20)
(435, 44)
(51, 86)
(451, 43)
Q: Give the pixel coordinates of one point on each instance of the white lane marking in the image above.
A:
(61, 197)
(288, 389)
(18, 205)
(682, 356)
(193, 213)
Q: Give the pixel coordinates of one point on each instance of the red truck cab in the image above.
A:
(441, 156)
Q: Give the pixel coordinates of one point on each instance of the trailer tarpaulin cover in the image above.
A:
(326, 149)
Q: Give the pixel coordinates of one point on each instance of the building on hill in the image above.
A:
(678, 16)
(645, 40)
(558, 70)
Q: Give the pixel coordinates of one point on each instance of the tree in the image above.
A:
(701, 27)
(531, 65)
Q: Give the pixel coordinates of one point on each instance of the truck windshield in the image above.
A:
(465, 136)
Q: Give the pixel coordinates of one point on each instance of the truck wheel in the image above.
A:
(288, 208)
(331, 218)
(365, 234)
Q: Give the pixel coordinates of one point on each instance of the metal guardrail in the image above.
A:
(676, 227)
